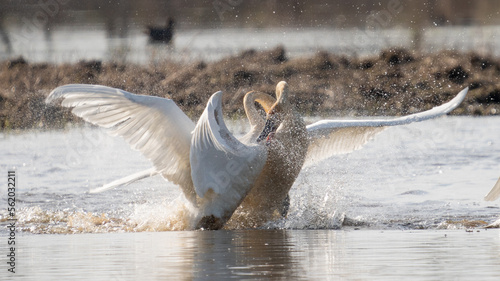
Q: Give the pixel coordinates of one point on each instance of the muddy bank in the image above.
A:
(397, 82)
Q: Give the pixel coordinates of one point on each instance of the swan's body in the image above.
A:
(216, 171)
(494, 192)
(287, 150)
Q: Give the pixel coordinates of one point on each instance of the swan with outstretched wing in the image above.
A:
(291, 145)
(214, 169)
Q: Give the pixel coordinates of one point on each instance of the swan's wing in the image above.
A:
(326, 143)
(494, 192)
(126, 180)
(220, 162)
(332, 137)
(153, 125)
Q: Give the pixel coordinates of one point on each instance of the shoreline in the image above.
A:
(396, 82)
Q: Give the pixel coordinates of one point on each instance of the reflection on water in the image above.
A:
(262, 254)
(245, 253)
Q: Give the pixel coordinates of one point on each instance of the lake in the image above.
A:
(408, 205)
(73, 42)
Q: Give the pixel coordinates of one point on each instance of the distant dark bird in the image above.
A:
(161, 34)
(5, 38)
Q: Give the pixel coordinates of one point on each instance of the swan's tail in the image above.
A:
(126, 180)
(494, 192)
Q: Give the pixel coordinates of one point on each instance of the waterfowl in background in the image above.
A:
(162, 34)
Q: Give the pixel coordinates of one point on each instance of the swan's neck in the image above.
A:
(253, 115)
(250, 109)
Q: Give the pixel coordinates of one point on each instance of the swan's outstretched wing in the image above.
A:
(331, 137)
(153, 125)
(494, 192)
(126, 180)
(219, 162)
(337, 141)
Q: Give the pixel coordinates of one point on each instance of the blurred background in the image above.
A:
(61, 31)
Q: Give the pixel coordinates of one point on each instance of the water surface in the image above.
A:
(410, 203)
(262, 255)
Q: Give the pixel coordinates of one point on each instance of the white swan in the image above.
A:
(214, 170)
(292, 144)
(494, 192)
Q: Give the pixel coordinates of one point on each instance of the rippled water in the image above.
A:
(398, 207)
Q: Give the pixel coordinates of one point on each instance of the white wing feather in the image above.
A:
(494, 192)
(220, 162)
(338, 141)
(126, 180)
(153, 125)
(332, 137)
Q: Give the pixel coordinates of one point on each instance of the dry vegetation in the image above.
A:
(397, 82)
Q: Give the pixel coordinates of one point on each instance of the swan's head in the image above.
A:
(265, 100)
(277, 112)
